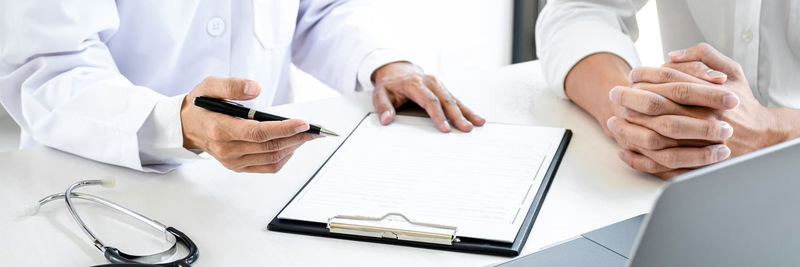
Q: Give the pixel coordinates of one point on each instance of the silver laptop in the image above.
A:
(741, 212)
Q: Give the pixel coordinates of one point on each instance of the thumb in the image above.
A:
(228, 88)
(383, 106)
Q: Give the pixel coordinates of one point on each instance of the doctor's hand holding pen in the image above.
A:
(240, 145)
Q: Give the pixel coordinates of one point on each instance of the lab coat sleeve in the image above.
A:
(59, 81)
(335, 41)
(569, 30)
(161, 137)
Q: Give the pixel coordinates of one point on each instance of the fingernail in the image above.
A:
(612, 95)
(385, 116)
(447, 126)
(621, 154)
(249, 89)
(722, 152)
(725, 130)
(676, 54)
(713, 74)
(730, 101)
(612, 124)
(302, 128)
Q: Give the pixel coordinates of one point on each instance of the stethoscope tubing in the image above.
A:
(114, 255)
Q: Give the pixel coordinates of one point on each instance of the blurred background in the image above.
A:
(477, 34)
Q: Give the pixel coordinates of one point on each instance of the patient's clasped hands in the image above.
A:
(693, 111)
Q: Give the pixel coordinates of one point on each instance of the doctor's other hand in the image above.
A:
(240, 145)
(695, 111)
(396, 83)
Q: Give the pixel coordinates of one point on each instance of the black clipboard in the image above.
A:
(464, 244)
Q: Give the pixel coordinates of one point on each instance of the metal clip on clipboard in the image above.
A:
(393, 226)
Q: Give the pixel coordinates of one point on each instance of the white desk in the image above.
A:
(225, 213)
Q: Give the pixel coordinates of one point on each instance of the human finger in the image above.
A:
(449, 104)
(682, 127)
(263, 158)
(638, 136)
(710, 56)
(698, 70)
(233, 149)
(383, 106)
(640, 162)
(689, 157)
(228, 88)
(268, 168)
(255, 131)
(416, 90)
(694, 94)
(643, 101)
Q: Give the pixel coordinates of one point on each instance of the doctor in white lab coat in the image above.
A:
(112, 80)
(735, 92)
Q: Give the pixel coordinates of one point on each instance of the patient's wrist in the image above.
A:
(590, 80)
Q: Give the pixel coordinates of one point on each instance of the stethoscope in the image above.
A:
(114, 255)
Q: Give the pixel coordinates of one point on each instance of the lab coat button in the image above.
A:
(216, 26)
(747, 36)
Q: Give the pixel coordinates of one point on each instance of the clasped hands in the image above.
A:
(693, 111)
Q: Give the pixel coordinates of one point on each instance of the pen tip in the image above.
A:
(327, 132)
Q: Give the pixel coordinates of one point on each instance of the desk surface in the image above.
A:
(226, 213)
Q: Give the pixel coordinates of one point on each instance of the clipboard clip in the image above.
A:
(393, 226)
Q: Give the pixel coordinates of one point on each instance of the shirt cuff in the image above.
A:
(571, 46)
(161, 137)
(374, 60)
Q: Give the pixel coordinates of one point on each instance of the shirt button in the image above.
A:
(215, 27)
(747, 36)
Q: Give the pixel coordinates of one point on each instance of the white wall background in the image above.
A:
(441, 36)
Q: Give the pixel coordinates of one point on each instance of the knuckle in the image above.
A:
(709, 155)
(681, 91)
(665, 75)
(670, 160)
(653, 105)
(703, 47)
(431, 78)
(710, 130)
(271, 145)
(450, 100)
(669, 127)
(272, 157)
(415, 79)
(636, 74)
(255, 133)
(646, 166)
(652, 140)
(738, 68)
(698, 67)
(433, 101)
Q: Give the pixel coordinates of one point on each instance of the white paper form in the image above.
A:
(481, 182)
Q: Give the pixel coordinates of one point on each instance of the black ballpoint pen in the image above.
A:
(238, 110)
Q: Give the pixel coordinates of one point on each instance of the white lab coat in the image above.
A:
(104, 79)
(763, 36)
